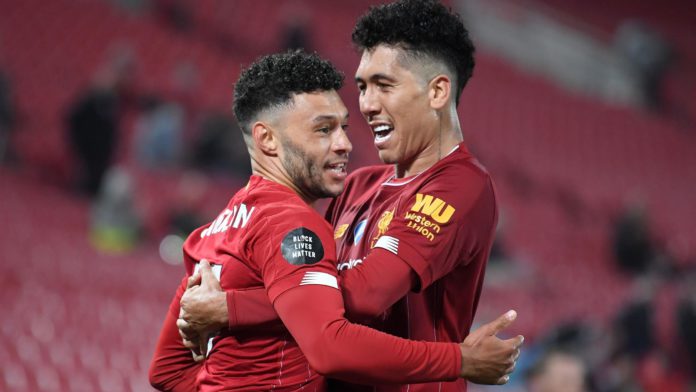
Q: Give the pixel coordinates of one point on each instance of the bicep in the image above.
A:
(249, 308)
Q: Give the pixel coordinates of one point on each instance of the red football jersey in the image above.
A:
(442, 223)
(242, 242)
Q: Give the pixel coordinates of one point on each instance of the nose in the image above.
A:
(341, 144)
(369, 103)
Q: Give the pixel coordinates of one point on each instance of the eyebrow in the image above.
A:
(377, 76)
(328, 117)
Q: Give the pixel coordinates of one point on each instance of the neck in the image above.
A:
(447, 135)
(272, 170)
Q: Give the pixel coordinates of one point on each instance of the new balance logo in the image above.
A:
(320, 278)
(389, 243)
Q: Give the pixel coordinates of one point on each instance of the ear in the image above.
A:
(264, 138)
(439, 91)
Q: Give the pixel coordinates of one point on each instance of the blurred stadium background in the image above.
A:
(116, 138)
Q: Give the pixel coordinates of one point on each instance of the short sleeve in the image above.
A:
(293, 250)
(448, 221)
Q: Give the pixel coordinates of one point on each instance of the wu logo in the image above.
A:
(433, 207)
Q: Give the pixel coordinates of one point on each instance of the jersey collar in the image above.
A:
(393, 181)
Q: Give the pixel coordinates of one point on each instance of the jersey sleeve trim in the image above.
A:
(388, 243)
(301, 277)
(320, 278)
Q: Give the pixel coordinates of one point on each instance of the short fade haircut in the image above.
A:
(420, 28)
(271, 81)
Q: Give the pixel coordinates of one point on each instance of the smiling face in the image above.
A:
(395, 102)
(314, 146)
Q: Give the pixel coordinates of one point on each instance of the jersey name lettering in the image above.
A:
(237, 217)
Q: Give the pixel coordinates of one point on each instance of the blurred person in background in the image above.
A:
(93, 125)
(184, 214)
(294, 34)
(558, 371)
(686, 324)
(115, 224)
(8, 116)
(634, 249)
(657, 373)
(635, 323)
(184, 89)
(218, 148)
(93, 120)
(650, 56)
(159, 133)
(637, 359)
(176, 14)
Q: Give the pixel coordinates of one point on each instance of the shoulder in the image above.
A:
(277, 210)
(463, 176)
(289, 226)
(463, 165)
(459, 184)
(284, 217)
(300, 234)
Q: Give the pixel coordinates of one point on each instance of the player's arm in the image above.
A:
(374, 285)
(173, 367)
(336, 348)
(368, 290)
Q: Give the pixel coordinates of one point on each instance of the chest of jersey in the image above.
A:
(363, 222)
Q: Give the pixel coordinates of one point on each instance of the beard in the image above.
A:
(304, 172)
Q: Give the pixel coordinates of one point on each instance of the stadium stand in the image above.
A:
(77, 319)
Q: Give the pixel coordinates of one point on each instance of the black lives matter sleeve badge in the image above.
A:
(302, 247)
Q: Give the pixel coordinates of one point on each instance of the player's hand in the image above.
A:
(486, 359)
(203, 309)
(192, 340)
(188, 335)
(194, 280)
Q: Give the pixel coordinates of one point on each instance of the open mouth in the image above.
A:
(338, 168)
(382, 132)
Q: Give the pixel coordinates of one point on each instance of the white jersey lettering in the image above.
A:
(239, 215)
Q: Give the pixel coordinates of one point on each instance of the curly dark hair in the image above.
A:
(420, 27)
(271, 80)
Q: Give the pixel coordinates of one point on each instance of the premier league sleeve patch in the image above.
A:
(302, 247)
